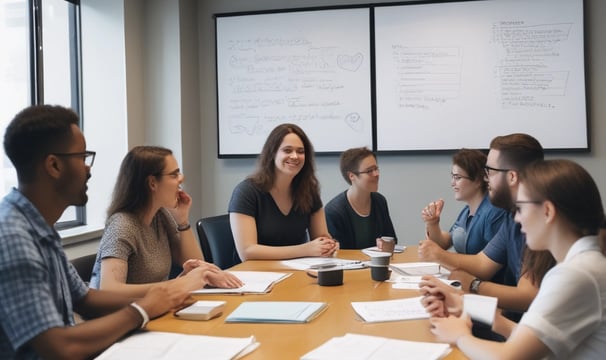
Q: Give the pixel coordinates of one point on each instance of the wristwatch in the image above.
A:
(474, 286)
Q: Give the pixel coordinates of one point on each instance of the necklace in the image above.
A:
(363, 211)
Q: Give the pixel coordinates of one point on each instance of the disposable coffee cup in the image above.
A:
(386, 244)
(379, 273)
(330, 277)
(380, 260)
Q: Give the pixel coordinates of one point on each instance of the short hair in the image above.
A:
(517, 150)
(36, 132)
(472, 161)
(351, 159)
(572, 191)
(305, 186)
(131, 193)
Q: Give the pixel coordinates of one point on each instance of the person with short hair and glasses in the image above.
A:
(359, 215)
(560, 211)
(523, 270)
(478, 221)
(39, 287)
(277, 212)
(148, 230)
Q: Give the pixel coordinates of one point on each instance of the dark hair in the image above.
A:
(36, 132)
(305, 187)
(351, 159)
(472, 161)
(574, 194)
(517, 150)
(132, 193)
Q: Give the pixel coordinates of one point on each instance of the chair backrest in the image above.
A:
(217, 241)
(84, 266)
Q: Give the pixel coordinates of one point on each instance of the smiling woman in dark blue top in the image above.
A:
(277, 213)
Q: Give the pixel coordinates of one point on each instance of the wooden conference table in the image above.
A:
(291, 341)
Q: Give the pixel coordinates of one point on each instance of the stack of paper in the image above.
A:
(419, 269)
(161, 345)
(391, 310)
(255, 282)
(286, 312)
(306, 263)
(362, 347)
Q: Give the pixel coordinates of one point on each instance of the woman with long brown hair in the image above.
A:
(277, 213)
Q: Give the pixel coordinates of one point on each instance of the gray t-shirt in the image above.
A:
(147, 249)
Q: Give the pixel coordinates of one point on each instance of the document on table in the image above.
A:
(163, 345)
(391, 310)
(285, 312)
(366, 347)
(255, 282)
(306, 263)
(420, 269)
(410, 282)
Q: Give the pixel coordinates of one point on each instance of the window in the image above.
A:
(39, 64)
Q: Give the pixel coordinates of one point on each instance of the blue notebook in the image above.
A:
(286, 312)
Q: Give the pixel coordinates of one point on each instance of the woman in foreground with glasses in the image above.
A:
(359, 215)
(277, 213)
(560, 210)
(148, 230)
(478, 221)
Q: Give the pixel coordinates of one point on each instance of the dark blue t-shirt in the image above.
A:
(273, 227)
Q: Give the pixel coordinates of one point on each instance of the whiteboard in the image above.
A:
(310, 68)
(457, 74)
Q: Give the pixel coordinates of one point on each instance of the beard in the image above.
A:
(501, 197)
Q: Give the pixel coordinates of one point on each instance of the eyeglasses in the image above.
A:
(175, 174)
(368, 171)
(87, 156)
(488, 169)
(457, 177)
(536, 202)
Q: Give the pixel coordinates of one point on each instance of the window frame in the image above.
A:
(37, 74)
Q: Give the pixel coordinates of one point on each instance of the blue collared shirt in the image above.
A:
(38, 285)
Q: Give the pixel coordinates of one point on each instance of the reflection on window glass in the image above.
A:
(14, 75)
(58, 57)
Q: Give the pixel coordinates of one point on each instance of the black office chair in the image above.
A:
(84, 266)
(217, 241)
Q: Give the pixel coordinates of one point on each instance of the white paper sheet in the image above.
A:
(365, 347)
(391, 310)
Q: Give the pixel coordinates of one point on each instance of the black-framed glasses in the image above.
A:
(457, 177)
(488, 169)
(175, 174)
(87, 156)
(368, 171)
(517, 203)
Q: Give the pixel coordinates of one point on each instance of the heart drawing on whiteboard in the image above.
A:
(354, 121)
(350, 62)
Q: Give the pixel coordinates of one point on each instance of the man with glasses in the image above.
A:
(524, 270)
(39, 288)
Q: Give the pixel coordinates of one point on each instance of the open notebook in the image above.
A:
(169, 346)
(255, 282)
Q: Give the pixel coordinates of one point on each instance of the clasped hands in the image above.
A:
(444, 303)
(323, 246)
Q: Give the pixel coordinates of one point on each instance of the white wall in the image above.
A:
(150, 69)
(408, 181)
